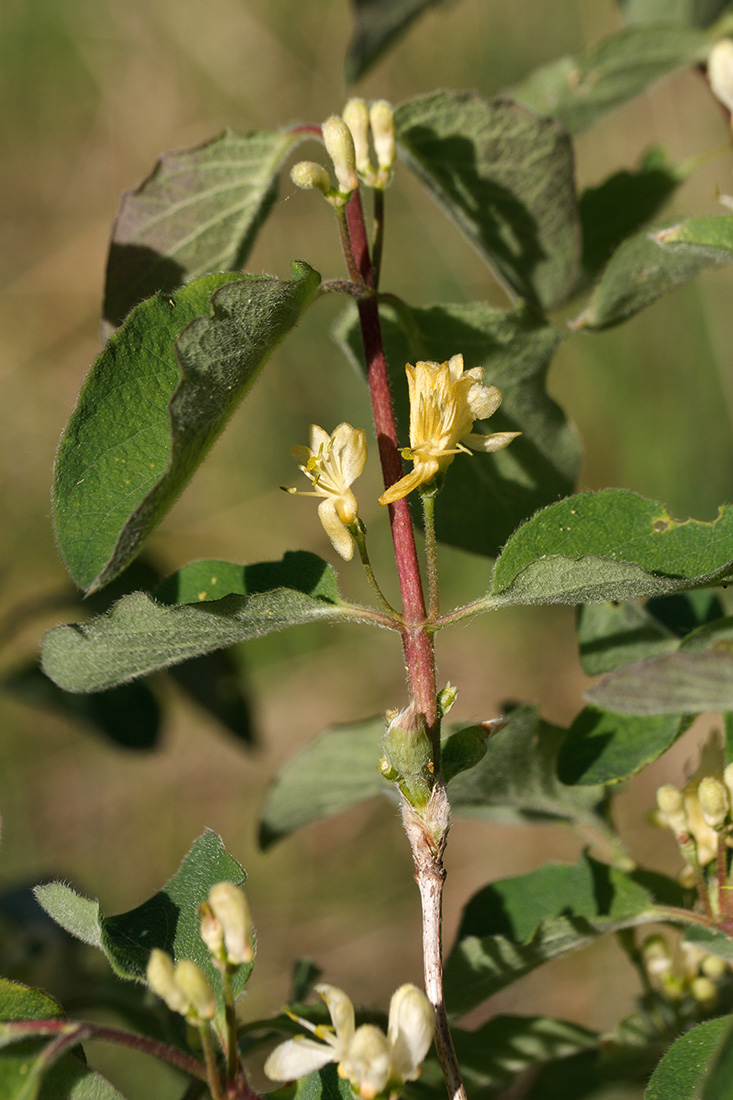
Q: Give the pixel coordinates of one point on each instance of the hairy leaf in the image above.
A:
(516, 780)
(610, 545)
(377, 25)
(579, 90)
(486, 495)
(649, 265)
(605, 748)
(515, 925)
(153, 404)
(620, 206)
(199, 211)
(336, 771)
(169, 920)
(506, 178)
(682, 1073)
(139, 634)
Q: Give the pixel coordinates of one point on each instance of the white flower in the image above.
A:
(372, 1062)
(444, 402)
(332, 464)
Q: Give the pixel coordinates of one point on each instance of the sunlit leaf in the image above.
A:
(140, 635)
(611, 545)
(517, 924)
(152, 405)
(682, 1073)
(506, 178)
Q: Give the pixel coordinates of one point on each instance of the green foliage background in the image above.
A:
(91, 92)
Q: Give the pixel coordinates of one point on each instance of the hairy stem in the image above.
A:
(431, 552)
(212, 1069)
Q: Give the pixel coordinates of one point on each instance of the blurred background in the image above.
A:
(91, 92)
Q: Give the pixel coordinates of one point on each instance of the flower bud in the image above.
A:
(230, 907)
(161, 978)
(340, 146)
(657, 957)
(714, 967)
(192, 982)
(671, 803)
(212, 932)
(381, 117)
(704, 991)
(356, 117)
(720, 72)
(713, 799)
(307, 174)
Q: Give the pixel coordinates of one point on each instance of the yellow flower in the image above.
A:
(332, 464)
(444, 402)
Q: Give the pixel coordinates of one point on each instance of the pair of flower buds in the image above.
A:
(226, 929)
(445, 400)
(698, 815)
(347, 143)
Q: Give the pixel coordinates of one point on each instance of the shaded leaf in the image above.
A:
(649, 265)
(486, 495)
(152, 405)
(325, 1084)
(199, 211)
(516, 781)
(579, 90)
(127, 715)
(139, 634)
(377, 26)
(336, 771)
(682, 1072)
(679, 683)
(605, 748)
(610, 545)
(515, 925)
(169, 920)
(620, 206)
(506, 178)
(214, 681)
(692, 13)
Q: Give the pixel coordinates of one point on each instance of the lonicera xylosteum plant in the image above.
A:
(188, 333)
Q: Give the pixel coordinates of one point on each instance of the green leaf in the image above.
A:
(336, 771)
(682, 1073)
(515, 925)
(579, 90)
(200, 210)
(377, 25)
(651, 264)
(711, 940)
(129, 715)
(717, 1085)
(620, 206)
(153, 404)
(23, 1072)
(169, 920)
(486, 495)
(325, 1084)
(693, 13)
(680, 683)
(605, 748)
(613, 634)
(506, 178)
(139, 635)
(22, 1002)
(611, 545)
(516, 781)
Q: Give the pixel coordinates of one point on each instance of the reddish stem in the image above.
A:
(417, 641)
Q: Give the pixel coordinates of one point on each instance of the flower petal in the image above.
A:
(366, 1063)
(402, 487)
(489, 443)
(297, 1058)
(410, 1031)
(341, 538)
(340, 1008)
(483, 401)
